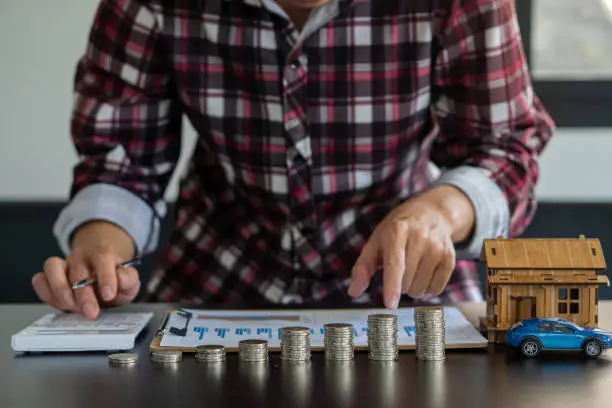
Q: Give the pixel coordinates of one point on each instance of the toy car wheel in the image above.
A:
(592, 348)
(530, 348)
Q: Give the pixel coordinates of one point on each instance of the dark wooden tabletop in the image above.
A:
(491, 378)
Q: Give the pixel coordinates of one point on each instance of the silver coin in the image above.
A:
(430, 334)
(167, 355)
(210, 353)
(210, 348)
(253, 350)
(123, 358)
(294, 331)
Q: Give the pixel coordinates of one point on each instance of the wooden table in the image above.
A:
(491, 378)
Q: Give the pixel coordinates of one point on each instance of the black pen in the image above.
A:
(90, 281)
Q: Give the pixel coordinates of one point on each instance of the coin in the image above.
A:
(382, 337)
(123, 359)
(253, 350)
(167, 356)
(338, 341)
(210, 353)
(295, 343)
(430, 333)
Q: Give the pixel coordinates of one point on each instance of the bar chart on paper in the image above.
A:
(228, 328)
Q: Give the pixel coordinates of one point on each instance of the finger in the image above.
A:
(104, 266)
(443, 272)
(364, 268)
(415, 248)
(85, 297)
(45, 294)
(128, 286)
(394, 259)
(55, 273)
(430, 259)
(43, 290)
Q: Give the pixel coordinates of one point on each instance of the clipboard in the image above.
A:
(155, 344)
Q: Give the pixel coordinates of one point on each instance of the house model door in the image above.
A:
(526, 307)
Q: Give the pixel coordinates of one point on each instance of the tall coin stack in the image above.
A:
(210, 353)
(338, 341)
(295, 343)
(253, 350)
(382, 337)
(430, 333)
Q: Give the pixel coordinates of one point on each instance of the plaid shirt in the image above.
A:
(306, 139)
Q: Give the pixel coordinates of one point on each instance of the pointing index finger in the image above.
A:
(394, 256)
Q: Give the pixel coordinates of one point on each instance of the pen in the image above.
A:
(90, 281)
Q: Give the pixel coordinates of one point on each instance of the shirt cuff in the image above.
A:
(114, 204)
(492, 214)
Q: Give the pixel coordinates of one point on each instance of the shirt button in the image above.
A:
(295, 65)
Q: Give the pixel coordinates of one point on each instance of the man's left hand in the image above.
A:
(414, 245)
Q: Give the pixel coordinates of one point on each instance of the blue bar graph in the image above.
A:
(410, 330)
(221, 331)
(265, 330)
(200, 330)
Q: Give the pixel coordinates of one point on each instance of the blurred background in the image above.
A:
(568, 43)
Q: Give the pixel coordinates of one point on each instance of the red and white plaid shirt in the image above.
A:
(306, 139)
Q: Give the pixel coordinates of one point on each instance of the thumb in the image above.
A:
(364, 268)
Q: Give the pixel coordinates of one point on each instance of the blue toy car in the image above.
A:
(532, 336)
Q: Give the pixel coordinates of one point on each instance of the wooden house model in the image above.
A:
(537, 277)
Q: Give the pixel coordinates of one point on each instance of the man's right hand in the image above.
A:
(97, 249)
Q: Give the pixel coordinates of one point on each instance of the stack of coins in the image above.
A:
(253, 350)
(338, 341)
(167, 356)
(382, 337)
(295, 343)
(123, 359)
(430, 333)
(210, 353)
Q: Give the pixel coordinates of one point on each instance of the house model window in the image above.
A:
(571, 304)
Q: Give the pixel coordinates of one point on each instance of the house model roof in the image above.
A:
(543, 253)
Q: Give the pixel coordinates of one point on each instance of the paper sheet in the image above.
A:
(72, 332)
(229, 327)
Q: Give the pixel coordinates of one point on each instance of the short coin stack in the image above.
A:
(382, 337)
(430, 333)
(338, 341)
(254, 350)
(123, 359)
(167, 356)
(210, 353)
(295, 343)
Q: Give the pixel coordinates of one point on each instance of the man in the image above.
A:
(323, 126)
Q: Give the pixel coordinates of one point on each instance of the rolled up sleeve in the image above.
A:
(491, 212)
(492, 127)
(106, 202)
(125, 126)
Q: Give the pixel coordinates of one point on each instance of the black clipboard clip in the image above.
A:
(181, 331)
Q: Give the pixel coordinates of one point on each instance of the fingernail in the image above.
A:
(393, 301)
(107, 293)
(89, 310)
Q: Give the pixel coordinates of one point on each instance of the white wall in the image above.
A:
(39, 47)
